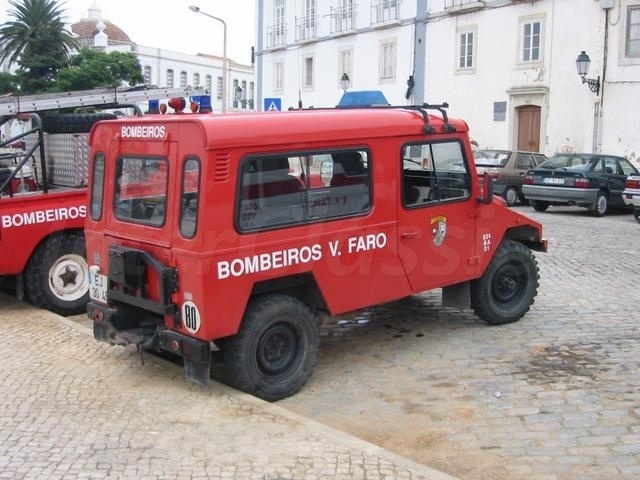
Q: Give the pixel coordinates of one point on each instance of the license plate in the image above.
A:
(553, 180)
(98, 287)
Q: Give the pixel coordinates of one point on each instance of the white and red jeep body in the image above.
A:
(294, 215)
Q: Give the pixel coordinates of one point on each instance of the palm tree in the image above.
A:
(36, 39)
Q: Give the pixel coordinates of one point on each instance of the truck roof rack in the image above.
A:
(105, 97)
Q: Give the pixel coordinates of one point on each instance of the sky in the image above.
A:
(170, 25)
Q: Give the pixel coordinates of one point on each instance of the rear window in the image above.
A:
(141, 190)
(491, 158)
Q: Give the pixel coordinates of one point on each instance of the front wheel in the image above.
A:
(508, 287)
(275, 350)
(57, 276)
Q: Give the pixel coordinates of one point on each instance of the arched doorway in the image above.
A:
(528, 128)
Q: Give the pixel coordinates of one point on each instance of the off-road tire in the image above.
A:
(510, 196)
(539, 205)
(509, 285)
(275, 350)
(56, 277)
(600, 207)
(73, 122)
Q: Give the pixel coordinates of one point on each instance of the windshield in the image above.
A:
(491, 158)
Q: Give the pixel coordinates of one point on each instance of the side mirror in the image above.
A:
(487, 189)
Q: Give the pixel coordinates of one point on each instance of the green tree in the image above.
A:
(37, 41)
(8, 83)
(92, 69)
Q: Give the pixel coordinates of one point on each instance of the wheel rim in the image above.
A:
(68, 278)
(511, 196)
(277, 348)
(601, 204)
(509, 284)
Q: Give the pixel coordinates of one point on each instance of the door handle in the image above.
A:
(413, 234)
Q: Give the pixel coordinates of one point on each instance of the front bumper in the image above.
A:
(560, 195)
(131, 328)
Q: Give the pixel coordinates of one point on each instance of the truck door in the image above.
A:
(436, 223)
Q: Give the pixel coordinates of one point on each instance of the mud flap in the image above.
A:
(197, 371)
(457, 296)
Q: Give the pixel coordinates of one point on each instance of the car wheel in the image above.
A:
(508, 287)
(57, 275)
(275, 350)
(600, 206)
(511, 196)
(636, 214)
(539, 205)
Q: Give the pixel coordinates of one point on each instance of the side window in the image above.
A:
(434, 172)
(524, 161)
(598, 167)
(611, 166)
(189, 194)
(141, 190)
(97, 188)
(538, 159)
(302, 187)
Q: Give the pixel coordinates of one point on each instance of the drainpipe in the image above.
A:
(419, 52)
(258, 56)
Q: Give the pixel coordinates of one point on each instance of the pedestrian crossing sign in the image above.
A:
(272, 104)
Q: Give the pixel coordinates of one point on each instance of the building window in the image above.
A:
(251, 95)
(632, 40)
(208, 83)
(345, 65)
(308, 72)
(170, 78)
(196, 79)
(306, 25)
(387, 60)
(531, 50)
(342, 17)
(183, 79)
(278, 76)
(146, 74)
(384, 11)
(276, 33)
(466, 50)
(219, 88)
(237, 93)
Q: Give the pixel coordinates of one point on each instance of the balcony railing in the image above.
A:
(342, 19)
(277, 35)
(462, 6)
(306, 28)
(384, 11)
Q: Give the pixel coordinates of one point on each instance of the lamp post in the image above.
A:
(582, 65)
(344, 81)
(196, 9)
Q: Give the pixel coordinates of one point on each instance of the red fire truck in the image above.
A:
(43, 180)
(295, 215)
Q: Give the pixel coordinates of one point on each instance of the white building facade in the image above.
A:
(508, 67)
(165, 68)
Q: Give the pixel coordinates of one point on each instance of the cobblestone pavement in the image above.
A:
(554, 396)
(73, 408)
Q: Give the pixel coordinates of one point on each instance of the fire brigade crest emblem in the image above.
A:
(438, 230)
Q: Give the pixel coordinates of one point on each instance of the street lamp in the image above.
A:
(344, 81)
(582, 65)
(196, 9)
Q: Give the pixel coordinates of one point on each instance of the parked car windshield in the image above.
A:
(560, 161)
(491, 158)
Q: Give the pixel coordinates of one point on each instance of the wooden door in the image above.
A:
(529, 128)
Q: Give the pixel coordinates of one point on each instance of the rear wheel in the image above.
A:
(511, 196)
(57, 276)
(601, 205)
(539, 205)
(275, 350)
(508, 287)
